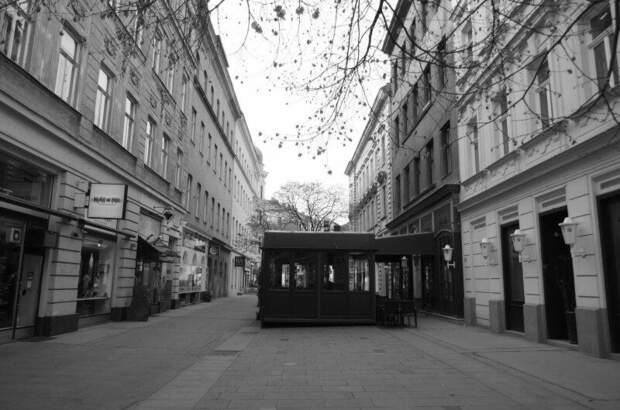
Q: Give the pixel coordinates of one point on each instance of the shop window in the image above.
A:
(24, 181)
(96, 271)
(304, 270)
(335, 275)
(279, 270)
(359, 274)
(426, 223)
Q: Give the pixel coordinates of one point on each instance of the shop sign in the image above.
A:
(239, 261)
(107, 201)
(15, 235)
(214, 250)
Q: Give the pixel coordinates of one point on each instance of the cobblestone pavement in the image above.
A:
(215, 355)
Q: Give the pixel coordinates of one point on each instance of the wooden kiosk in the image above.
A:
(326, 277)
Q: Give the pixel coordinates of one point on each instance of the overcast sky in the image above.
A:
(273, 113)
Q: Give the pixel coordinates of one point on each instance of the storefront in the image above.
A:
(218, 265)
(25, 193)
(192, 273)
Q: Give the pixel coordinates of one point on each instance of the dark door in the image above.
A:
(513, 281)
(557, 278)
(429, 287)
(609, 212)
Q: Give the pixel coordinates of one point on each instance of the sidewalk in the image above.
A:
(214, 355)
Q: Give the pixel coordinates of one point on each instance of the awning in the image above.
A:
(402, 245)
(157, 250)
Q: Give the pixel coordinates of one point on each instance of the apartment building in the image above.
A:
(540, 170)
(425, 180)
(116, 161)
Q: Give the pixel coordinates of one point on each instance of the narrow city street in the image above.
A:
(215, 355)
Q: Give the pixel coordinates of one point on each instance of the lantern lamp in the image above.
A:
(447, 256)
(569, 233)
(485, 245)
(518, 242)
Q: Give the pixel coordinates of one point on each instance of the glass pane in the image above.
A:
(102, 81)
(600, 22)
(335, 273)
(68, 44)
(24, 181)
(544, 107)
(359, 275)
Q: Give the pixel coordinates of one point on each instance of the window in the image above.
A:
(394, 76)
(416, 176)
(441, 64)
(201, 143)
(446, 150)
(383, 149)
(428, 87)
(413, 37)
(424, 15)
(335, 273)
(148, 142)
(225, 172)
(414, 106)
(467, 36)
(129, 121)
(500, 112)
(212, 94)
(192, 125)
(384, 200)
(138, 29)
(406, 184)
(404, 114)
(217, 113)
(217, 227)
(543, 91)
(228, 225)
(197, 200)
(359, 274)
(156, 53)
(397, 204)
(209, 148)
(474, 157)
(188, 192)
(67, 67)
(221, 165)
(206, 77)
(602, 32)
(397, 136)
(170, 75)
(183, 96)
(179, 170)
(212, 211)
(430, 162)
(229, 177)
(102, 99)
(14, 31)
(165, 146)
(403, 60)
(205, 215)
(215, 160)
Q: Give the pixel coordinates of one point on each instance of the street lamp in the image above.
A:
(518, 242)
(447, 256)
(569, 234)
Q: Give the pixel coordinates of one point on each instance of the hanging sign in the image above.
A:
(107, 201)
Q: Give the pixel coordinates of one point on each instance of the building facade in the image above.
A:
(369, 172)
(538, 143)
(116, 157)
(425, 180)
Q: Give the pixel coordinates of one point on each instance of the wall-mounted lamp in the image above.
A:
(569, 233)
(518, 242)
(447, 256)
(485, 246)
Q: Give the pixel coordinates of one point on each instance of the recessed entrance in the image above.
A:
(609, 216)
(513, 281)
(557, 278)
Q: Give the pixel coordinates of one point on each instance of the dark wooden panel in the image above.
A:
(334, 305)
(361, 305)
(304, 304)
(276, 303)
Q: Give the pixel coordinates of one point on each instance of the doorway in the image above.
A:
(21, 267)
(557, 278)
(609, 220)
(514, 297)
